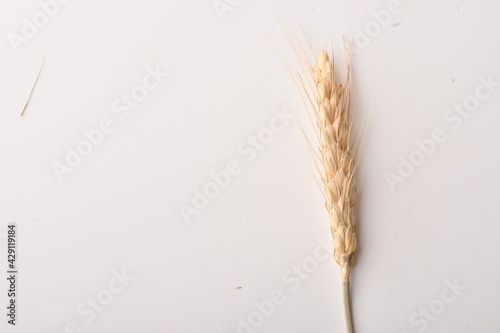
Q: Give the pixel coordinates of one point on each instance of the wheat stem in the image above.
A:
(347, 306)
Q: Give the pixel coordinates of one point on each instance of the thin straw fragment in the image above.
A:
(33, 87)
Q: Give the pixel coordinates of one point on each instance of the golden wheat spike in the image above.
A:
(328, 99)
(338, 158)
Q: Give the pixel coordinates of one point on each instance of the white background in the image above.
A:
(119, 208)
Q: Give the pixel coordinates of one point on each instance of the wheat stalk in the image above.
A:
(338, 158)
(329, 99)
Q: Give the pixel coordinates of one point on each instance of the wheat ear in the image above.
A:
(338, 159)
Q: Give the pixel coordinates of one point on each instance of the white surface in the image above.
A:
(120, 207)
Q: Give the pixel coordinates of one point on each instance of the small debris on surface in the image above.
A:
(33, 88)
